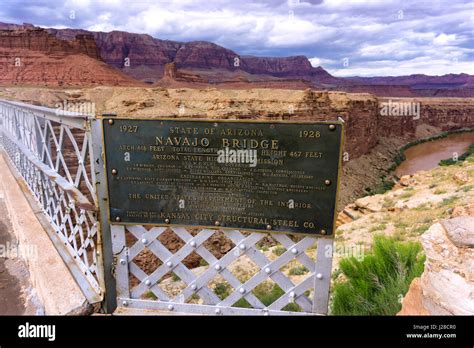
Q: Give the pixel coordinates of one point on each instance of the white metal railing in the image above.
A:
(52, 152)
(245, 280)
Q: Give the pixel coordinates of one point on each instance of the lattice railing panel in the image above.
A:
(53, 157)
(61, 147)
(249, 278)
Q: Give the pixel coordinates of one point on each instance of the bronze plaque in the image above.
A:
(271, 176)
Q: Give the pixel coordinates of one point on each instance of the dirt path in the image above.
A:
(16, 295)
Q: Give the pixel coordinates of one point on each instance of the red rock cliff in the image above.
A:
(32, 56)
(40, 40)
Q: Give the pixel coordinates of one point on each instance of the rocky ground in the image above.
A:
(411, 207)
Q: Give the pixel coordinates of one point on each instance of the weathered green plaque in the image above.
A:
(276, 176)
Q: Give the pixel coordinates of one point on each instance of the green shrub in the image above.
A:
(421, 229)
(384, 186)
(278, 250)
(374, 284)
(299, 270)
(267, 296)
(222, 290)
(380, 227)
(466, 188)
(448, 201)
(150, 295)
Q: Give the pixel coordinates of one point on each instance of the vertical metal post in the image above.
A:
(98, 165)
(39, 136)
(322, 276)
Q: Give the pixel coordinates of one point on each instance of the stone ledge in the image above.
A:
(56, 288)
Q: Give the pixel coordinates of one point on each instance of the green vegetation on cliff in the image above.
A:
(450, 161)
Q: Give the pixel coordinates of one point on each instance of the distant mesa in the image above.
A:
(122, 58)
(33, 56)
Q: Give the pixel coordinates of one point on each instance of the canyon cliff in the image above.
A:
(143, 58)
(148, 56)
(32, 56)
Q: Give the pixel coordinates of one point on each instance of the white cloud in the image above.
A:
(348, 5)
(443, 39)
(315, 61)
(420, 65)
(287, 32)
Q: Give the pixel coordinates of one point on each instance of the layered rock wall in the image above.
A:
(32, 56)
(444, 114)
(40, 40)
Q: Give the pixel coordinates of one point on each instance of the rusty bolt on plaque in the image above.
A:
(332, 127)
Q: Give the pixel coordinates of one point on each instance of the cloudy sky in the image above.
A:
(346, 37)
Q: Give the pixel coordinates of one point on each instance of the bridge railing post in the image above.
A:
(107, 259)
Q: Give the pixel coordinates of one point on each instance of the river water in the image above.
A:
(427, 155)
